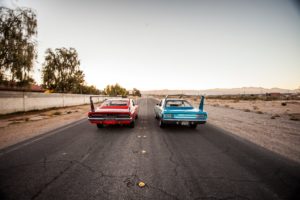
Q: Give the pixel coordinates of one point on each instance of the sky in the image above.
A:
(171, 44)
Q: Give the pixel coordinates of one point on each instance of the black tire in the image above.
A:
(136, 117)
(100, 125)
(161, 123)
(132, 124)
(193, 126)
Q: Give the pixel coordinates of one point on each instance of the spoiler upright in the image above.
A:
(201, 103)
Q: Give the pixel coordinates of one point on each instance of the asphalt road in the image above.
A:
(82, 162)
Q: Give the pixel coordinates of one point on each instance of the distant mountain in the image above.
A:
(222, 91)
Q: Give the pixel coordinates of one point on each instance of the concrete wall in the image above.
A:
(25, 101)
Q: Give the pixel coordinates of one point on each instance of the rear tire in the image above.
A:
(100, 125)
(161, 123)
(193, 126)
(132, 124)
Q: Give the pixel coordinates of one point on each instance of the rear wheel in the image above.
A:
(161, 123)
(100, 125)
(193, 126)
(132, 124)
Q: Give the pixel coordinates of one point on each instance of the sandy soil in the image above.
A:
(19, 127)
(281, 108)
(266, 123)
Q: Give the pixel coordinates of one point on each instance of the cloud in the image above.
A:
(9, 3)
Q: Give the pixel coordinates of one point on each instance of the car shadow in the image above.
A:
(179, 129)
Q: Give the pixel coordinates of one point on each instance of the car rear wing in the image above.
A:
(177, 95)
(201, 105)
(101, 98)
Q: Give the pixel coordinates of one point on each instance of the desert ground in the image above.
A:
(274, 125)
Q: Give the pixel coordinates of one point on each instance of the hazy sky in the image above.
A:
(175, 44)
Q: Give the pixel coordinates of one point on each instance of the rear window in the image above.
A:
(178, 103)
(115, 103)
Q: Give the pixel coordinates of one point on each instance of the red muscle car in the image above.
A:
(114, 111)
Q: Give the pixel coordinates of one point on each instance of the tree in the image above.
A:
(115, 90)
(61, 71)
(18, 29)
(90, 90)
(136, 92)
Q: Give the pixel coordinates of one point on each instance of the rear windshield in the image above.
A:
(178, 103)
(115, 103)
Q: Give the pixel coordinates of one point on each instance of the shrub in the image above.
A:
(57, 113)
(294, 118)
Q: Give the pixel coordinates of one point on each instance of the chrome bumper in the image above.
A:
(104, 119)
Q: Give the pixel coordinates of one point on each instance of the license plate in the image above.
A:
(184, 123)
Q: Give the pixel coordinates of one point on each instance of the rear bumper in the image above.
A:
(107, 121)
(181, 121)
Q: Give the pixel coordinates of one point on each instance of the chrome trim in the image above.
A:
(185, 120)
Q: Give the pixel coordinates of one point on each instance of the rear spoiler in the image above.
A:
(92, 103)
(177, 95)
(104, 97)
(201, 105)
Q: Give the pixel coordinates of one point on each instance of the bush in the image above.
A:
(294, 118)
(57, 113)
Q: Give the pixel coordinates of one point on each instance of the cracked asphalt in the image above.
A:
(82, 162)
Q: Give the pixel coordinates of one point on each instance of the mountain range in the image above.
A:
(222, 91)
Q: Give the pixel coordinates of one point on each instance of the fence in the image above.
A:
(11, 101)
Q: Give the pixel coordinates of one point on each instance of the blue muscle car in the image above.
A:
(179, 111)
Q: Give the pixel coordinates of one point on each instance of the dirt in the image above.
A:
(266, 123)
(18, 127)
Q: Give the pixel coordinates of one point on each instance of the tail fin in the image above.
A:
(201, 103)
(92, 105)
